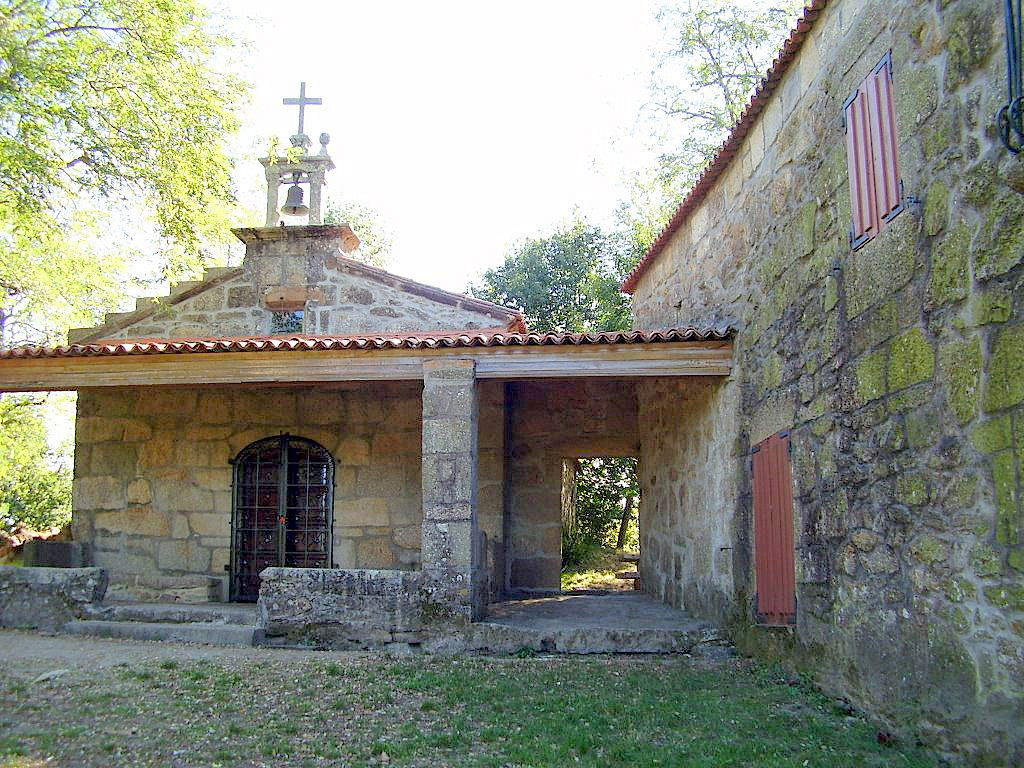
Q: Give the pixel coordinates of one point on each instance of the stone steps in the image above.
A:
(178, 613)
(197, 632)
(496, 637)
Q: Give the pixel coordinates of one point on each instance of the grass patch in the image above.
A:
(461, 712)
(597, 571)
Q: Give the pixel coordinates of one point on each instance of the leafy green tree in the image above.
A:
(568, 281)
(106, 101)
(105, 106)
(35, 483)
(375, 238)
(713, 57)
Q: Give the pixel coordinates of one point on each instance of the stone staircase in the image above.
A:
(228, 624)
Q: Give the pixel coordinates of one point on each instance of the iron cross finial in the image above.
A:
(302, 101)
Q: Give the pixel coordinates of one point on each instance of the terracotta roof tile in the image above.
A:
(731, 146)
(425, 340)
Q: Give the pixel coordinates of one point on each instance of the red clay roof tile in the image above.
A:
(425, 340)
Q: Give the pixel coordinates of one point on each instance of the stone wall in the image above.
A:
(341, 609)
(48, 598)
(152, 488)
(689, 487)
(338, 297)
(550, 421)
(490, 483)
(898, 367)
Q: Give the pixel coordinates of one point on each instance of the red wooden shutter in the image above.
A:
(865, 223)
(774, 552)
(884, 141)
(872, 154)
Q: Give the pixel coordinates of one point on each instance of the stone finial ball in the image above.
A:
(324, 138)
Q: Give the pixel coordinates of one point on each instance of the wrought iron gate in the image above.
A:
(281, 510)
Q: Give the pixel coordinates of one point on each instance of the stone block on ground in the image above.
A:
(47, 598)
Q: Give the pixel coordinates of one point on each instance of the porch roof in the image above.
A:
(498, 353)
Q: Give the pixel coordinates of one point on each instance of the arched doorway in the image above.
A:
(281, 510)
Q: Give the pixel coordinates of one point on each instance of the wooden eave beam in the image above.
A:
(706, 358)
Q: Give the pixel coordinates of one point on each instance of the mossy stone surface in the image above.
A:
(893, 253)
(929, 549)
(917, 94)
(1006, 369)
(1007, 596)
(961, 372)
(1016, 559)
(1004, 475)
(936, 207)
(970, 37)
(994, 305)
(950, 278)
(986, 561)
(1001, 245)
(993, 435)
(979, 186)
(912, 490)
(871, 376)
(958, 589)
(911, 360)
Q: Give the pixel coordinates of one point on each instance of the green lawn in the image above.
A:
(317, 710)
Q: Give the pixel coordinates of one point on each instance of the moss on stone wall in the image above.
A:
(1006, 369)
(961, 365)
(911, 360)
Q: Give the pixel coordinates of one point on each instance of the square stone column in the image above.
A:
(451, 547)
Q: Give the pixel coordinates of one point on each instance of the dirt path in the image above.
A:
(32, 653)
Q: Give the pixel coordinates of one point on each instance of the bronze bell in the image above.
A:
(293, 205)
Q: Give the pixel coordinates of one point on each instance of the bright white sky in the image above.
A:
(466, 125)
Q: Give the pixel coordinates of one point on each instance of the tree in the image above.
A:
(568, 281)
(102, 101)
(375, 237)
(35, 483)
(105, 105)
(714, 56)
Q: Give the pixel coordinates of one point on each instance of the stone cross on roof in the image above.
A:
(298, 168)
(302, 101)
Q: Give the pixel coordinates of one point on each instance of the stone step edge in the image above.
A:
(199, 633)
(495, 637)
(171, 613)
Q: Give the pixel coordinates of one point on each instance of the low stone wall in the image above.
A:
(47, 598)
(357, 609)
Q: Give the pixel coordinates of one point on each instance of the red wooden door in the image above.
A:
(774, 561)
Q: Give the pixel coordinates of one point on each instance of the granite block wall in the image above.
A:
(152, 486)
(295, 271)
(550, 421)
(689, 484)
(898, 367)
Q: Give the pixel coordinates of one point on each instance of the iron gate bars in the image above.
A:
(1010, 118)
(281, 510)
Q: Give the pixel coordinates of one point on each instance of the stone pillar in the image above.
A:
(451, 547)
(316, 185)
(273, 189)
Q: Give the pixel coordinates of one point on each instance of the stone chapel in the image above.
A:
(824, 389)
